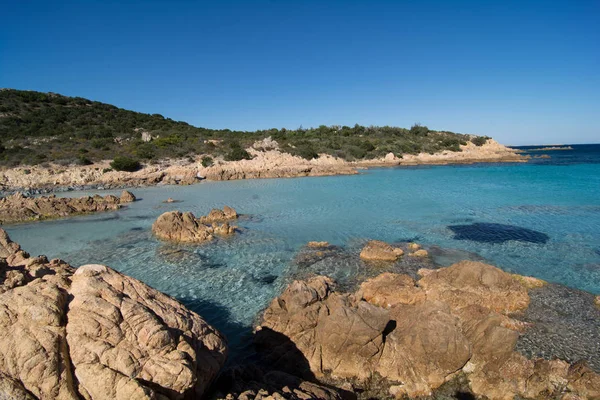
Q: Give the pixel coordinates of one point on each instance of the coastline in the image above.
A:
(264, 164)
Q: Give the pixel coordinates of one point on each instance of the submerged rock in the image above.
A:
(185, 227)
(376, 250)
(416, 335)
(19, 208)
(94, 333)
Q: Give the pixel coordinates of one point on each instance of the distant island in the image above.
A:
(49, 140)
(552, 148)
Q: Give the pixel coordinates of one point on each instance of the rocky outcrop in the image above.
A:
(276, 164)
(19, 208)
(185, 227)
(94, 333)
(376, 250)
(417, 335)
(126, 197)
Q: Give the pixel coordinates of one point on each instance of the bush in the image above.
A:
(419, 130)
(125, 164)
(306, 151)
(357, 152)
(82, 160)
(236, 154)
(145, 151)
(479, 140)
(207, 161)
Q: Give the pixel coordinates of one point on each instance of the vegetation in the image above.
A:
(37, 128)
(207, 161)
(480, 140)
(125, 164)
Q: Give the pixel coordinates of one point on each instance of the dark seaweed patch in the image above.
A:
(497, 233)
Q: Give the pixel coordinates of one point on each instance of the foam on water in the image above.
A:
(229, 281)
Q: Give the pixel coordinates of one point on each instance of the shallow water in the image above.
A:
(230, 281)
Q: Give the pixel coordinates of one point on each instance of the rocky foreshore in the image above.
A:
(93, 333)
(264, 164)
(20, 208)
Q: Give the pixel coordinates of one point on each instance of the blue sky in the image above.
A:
(520, 71)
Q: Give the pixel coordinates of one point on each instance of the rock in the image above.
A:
(318, 244)
(415, 336)
(345, 338)
(126, 197)
(19, 208)
(376, 250)
(185, 227)
(390, 157)
(169, 200)
(597, 301)
(240, 382)
(96, 334)
(162, 344)
(389, 290)
(414, 246)
(216, 215)
(266, 144)
(471, 282)
(146, 136)
(529, 282)
(419, 253)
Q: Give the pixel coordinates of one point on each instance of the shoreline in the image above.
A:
(264, 164)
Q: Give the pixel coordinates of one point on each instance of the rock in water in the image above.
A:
(376, 250)
(185, 227)
(126, 197)
(94, 333)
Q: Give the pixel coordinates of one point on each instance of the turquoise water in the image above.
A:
(230, 281)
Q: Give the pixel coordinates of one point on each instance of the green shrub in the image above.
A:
(207, 161)
(419, 130)
(82, 160)
(479, 140)
(237, 154)
(145, 151)
(125, 164)
(306, 151)
(357, 152)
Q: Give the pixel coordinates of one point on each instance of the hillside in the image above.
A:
(37, 128)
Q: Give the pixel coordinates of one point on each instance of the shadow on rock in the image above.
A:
(239, 336)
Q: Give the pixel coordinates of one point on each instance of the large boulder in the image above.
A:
(376, 250)
(94, 333)
(126, 197)
(122, 331)
(185, 227)
(416, 336)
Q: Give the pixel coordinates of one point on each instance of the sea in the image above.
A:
(540, 218)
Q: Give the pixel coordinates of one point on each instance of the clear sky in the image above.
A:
(520, 71)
